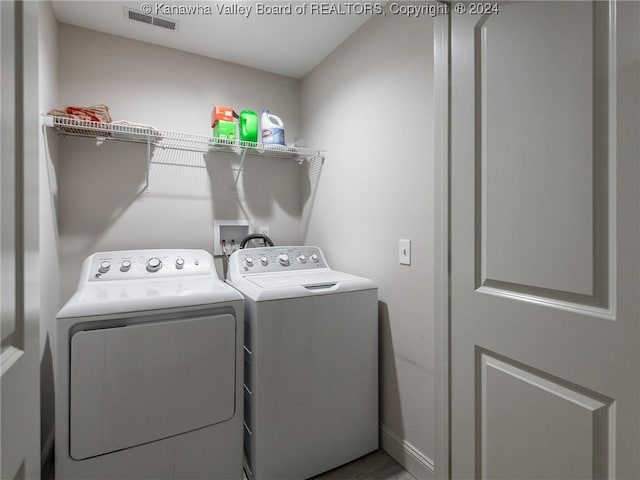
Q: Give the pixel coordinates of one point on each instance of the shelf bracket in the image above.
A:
(240, 170)
(146, 178)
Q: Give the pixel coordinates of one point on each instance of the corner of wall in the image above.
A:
(48, 226)
(411, 459)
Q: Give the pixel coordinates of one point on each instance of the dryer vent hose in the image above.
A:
(256, 236)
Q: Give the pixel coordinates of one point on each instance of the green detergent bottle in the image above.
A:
(248, 122)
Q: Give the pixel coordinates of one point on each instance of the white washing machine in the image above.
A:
(311, 362)
(149, 370)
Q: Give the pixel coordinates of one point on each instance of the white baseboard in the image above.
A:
(47, 449)
(411, 459)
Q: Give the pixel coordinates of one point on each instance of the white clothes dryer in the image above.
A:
(311, 362)
(149, 370)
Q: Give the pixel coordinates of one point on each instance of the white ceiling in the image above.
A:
(289, 45)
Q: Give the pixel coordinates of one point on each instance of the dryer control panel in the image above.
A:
(137, 264)
(276, 259)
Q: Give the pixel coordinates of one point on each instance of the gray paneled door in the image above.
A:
(545, 244)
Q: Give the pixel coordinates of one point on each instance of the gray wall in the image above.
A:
(370, 104)
(102, 206)
(49, 270)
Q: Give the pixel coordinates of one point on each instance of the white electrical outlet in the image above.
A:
(404, 252)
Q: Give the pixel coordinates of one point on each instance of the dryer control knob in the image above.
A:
(104, 267)
(125, 266)
(314, 258)
(302, 259)
(264, 261)
(283, 259)
(249, 261)
(154, 264)
(179, 263)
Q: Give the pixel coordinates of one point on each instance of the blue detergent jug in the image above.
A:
(272, 128)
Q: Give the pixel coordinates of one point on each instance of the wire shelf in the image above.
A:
(174, 140)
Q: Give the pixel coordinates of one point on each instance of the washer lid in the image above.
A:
(304, 279)
(274, 286)
(105, 298)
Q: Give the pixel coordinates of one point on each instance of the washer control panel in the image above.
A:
(279, 259)
(136, 264)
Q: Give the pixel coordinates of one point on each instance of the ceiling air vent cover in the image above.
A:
(150, 19)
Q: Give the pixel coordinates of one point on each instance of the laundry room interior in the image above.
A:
(366, 105)
(319, 240)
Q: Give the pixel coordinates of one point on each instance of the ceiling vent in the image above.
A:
(150, 19)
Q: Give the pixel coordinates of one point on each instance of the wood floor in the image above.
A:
(375, 466)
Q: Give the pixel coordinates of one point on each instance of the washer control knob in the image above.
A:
(283, 259)
(264, 261)
(314, 258)
(249, 261)
(125, 266)
(154, 264)
(302, 259)
(104, 266)
(179, 263)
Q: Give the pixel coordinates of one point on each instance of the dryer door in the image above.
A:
(140, 383)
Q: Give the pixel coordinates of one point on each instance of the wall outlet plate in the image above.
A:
(404, 251)
(229, 230)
